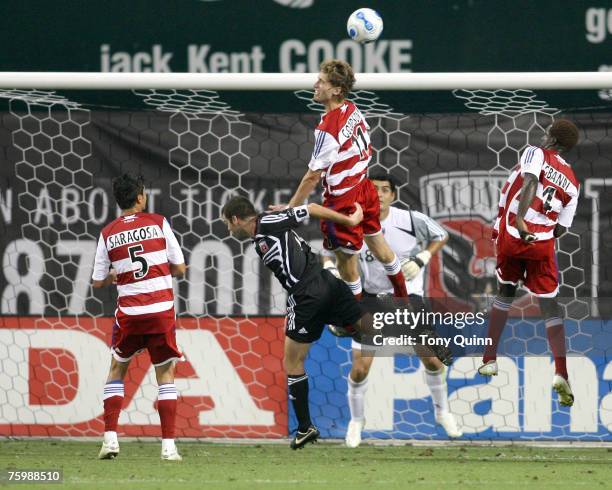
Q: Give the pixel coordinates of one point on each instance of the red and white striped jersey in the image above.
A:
(342, 149)
(555, 200)
(140, 248)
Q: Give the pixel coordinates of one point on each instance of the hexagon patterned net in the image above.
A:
(195, 152)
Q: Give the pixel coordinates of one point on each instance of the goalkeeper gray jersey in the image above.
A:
(407, 233)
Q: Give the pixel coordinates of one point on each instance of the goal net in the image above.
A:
(196, 149)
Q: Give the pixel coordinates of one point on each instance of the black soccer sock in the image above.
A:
(298, 394)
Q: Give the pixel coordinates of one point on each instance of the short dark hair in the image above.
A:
(565, 133)
(126, 189)
(340, 74)
(385, 178)
(238, 206)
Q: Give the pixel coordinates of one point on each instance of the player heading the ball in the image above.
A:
(139, 253)
(340, 158)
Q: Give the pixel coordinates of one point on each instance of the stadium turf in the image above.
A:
(326, 465)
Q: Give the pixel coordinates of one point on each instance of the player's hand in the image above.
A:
(524, 232)
(356, 217)
(277, 207)
(413, 265)
(112, 277)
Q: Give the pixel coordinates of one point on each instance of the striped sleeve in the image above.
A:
(325, 151)
(282, 220)
(532, 160)
(427, 229)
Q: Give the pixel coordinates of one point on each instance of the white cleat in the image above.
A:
(171, 455)
(563, 389)
(449, 423)
(353, 433)
(109, 451)
(488, 369)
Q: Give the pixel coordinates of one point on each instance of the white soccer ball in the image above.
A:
(364, 25)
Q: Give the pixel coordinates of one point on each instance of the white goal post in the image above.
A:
(297, 81)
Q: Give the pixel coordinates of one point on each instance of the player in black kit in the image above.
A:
(316, 297)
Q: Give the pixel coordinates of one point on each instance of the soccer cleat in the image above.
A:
(562, 387)
(449, 423)
(353, 433)
(302, 438)
(171, 455)
(488, 368)
(109, 451)
(347, 331)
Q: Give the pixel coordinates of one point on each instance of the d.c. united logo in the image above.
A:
(466, 204)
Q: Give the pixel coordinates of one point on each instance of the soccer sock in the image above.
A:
(355, 287)
(556, 339)
(394, 272)
(166, 406)
(113, 400)
(437, 386)
(298, 394)
(356, 395)
(497, 322)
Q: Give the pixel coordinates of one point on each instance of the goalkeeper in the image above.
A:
(405, 231)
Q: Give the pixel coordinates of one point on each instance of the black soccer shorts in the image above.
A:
(324, 300)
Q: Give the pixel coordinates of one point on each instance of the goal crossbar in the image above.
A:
(297, 81)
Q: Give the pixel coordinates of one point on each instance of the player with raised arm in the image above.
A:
(415, 238)
(139, 252)
(315, 297)
(537, 205)
(340, 159)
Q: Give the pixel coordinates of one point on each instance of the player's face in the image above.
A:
(547, 139)
(236, 227)
(324, 91)
(385, 195)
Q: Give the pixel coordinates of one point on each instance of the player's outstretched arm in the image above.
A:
(528, 192)
(110, 279)
(178, 270)
(307, 185)
(320, 212)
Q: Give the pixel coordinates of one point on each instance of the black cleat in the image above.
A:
(302, 438)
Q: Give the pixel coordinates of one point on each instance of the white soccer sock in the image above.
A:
(436, 381)
(168, 445)
(355, 286)
(393, 267)
(110, 437)
(356, 395)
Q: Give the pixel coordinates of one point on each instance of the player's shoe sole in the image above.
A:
(488, 369)
(303, 438)
(171, 456)
(108, 451)
(563, 389)
(449, 424)
(353, 433)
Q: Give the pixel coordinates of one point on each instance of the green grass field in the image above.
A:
(326, 465)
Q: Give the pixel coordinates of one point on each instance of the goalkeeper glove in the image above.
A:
(412, 266)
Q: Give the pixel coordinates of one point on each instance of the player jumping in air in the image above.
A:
(144, 255)
(340, 160)
(537, 205)
(406, 232)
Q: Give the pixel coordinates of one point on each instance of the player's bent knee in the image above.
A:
(550, 307)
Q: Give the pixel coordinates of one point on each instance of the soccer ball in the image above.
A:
(364, 25)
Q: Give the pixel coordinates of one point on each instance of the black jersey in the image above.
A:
(282, 250)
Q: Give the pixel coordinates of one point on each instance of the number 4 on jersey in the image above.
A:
(134, 257)
(547, 196)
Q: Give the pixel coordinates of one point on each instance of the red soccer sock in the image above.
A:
(497, 322)
(166, 406)
(555, 332)
(399, 285)
(112, 409)
(394, 272)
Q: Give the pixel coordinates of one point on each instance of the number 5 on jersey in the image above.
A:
(134, 252)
